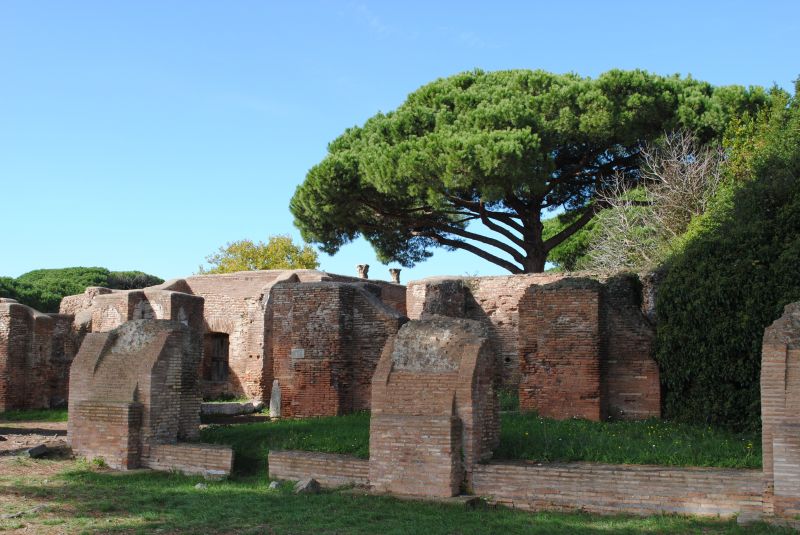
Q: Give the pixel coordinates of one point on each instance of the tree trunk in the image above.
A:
(534, 262)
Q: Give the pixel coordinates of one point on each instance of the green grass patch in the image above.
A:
(509, 399)
(34, 415)
(89, 502)
(530, 437)
(336, 434)
(524, 436)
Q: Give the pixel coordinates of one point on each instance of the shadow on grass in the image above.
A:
(89, 502)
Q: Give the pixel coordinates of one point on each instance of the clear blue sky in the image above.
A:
(144, 135)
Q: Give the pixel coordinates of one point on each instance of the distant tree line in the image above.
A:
(43, 289)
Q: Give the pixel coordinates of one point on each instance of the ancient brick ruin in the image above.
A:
(573, 346)
(36, 350)
(412, 442)
(560, 343)
(780, 412)
(318, 335)
(434, 409)
(134, 395)
(326, 339)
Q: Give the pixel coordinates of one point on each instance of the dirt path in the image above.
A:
(16, 437)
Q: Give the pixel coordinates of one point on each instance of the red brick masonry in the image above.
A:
(574, 345)
(596, 488)
(434, 409)
(602, 488)
(135, 395)
(330, 469)
(780, 412)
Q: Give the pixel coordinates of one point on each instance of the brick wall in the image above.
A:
(239, 305)
(590, 487)
(629, 380)
(434, 409)
(16, 330)
(191, 458)
(108, 430)
(494, 301)
(780, 412)
(35, 353)
(111, 310)
(391, 294)
(642, 490)
(560, 347)
(330, 469)
(326, 339)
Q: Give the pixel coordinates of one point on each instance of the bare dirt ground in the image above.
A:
(17, 437)
(22, 512)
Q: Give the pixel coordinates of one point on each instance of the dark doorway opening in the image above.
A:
(215, 357)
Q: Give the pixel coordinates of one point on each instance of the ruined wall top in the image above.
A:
(786, 329)
(435, 345)
(434, 408)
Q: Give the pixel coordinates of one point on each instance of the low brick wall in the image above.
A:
(200, 459)
(330, 469)
(601, 488)
(590, 487)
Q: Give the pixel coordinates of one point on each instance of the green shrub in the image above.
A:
(43, 289)
(736, 270)
(8, 287)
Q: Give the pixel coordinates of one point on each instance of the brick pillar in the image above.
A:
(780, 413)
(434, 409)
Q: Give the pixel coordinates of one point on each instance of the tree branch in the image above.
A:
(472, 249)
(485, 218)
(574, 227)
(516, 255)
(475, 207)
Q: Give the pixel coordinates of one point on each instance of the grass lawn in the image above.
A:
(523, 436)
(527, 436)
(79, 499)
(340, 434)
(34, 415)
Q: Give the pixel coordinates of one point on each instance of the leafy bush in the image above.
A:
(736, 270)
(280, 252)
(43, 289)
